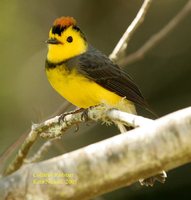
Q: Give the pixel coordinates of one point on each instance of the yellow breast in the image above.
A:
(83, 92)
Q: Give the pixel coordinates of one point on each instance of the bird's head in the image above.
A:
(65, 40)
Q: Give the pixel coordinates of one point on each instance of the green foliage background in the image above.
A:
(164, 74)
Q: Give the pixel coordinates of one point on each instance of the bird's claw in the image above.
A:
(84, 116)
(63, 115)
(161, 177)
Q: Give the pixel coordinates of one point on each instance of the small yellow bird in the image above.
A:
(86, 77)
(83, 75)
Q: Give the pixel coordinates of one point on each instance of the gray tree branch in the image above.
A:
(116, 162)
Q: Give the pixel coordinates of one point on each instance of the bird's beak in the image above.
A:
(53, 41)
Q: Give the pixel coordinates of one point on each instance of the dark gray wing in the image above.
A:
(99, 68)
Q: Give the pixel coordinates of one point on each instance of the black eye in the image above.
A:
(69, 39)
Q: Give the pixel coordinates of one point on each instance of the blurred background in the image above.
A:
(26, 97)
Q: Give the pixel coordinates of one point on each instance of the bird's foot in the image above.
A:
(85, 116)
(63, 116)
(151, 180)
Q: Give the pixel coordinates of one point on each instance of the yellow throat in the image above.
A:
(65, 49)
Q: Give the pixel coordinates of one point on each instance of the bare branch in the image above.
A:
(127, 118)
(52, 128)
(122, 160)
(11, 149)
(123, 42)
(156, 38)
(39, 154)
(22, 153)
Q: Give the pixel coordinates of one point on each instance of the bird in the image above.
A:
(85, 76)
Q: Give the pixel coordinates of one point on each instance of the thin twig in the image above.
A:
(11, 149)
(39, 154)
(123, 42)
(156, 38)
(22, 153)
